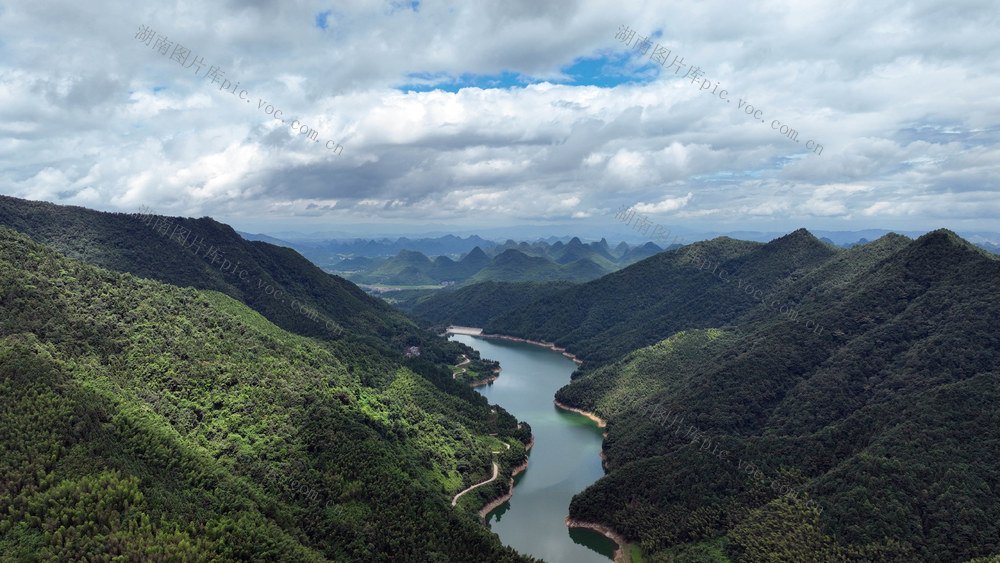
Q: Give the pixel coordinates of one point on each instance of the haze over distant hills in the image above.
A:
(359, 259)
(511, 261)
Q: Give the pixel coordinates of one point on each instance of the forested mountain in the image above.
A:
(640, 253)
(865, 428)
(414, 268)
(147, 422)
(477, 304)
(202, 253)
(406, 268)
(514, 266)
(648, 301)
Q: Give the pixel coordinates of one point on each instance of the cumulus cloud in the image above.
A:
(664, 206)
(507, 113)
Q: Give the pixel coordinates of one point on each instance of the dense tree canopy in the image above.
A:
(874, 439)
(153, 422)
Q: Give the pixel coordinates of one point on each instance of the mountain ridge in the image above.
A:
(152, 419)
(909, 339)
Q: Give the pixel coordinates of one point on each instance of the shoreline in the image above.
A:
(620, 556)
(474, 331)
(496, 469)
(590, 415)
(548, 345)
(495, 503)
(486, 381)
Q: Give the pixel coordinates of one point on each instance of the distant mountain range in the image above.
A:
(329, 253)
(327, 250)
(511, 261)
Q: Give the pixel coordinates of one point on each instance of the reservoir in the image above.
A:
(564, 460)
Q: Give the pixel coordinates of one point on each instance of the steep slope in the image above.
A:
(202, 253)
(537, 249)
(640, 253)
(873, 439)
(603, 249)
(445, 269)
(575, 250)
(477, 304)
(475, 260)
(356, 264)
(621, 249)
(674, 290)
(400, 269)
(149, 422)
(516, 266)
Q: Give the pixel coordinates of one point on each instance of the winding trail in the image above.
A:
(496, 470)
(459, 365)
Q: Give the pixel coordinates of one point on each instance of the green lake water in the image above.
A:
(564, 460)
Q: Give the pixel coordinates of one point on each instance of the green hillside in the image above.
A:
(414, 268)
(514, 266)
(874, 438)
(601, 320)
(575, 250)
(407, 267)
(147, 422)
(477, 304)
(446, 269)
(275, 281)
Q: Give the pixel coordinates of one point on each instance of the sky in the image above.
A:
(548, 116)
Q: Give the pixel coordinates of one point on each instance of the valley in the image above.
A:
(672, 408)
(578, 285)
(563, 461)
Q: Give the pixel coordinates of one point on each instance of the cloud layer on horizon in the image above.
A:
(514, 112)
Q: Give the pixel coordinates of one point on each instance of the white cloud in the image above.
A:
(900, 97)
(664, 206)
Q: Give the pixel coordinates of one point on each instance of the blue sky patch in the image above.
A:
(321, 19)
(606, 71)
(411, 5)
(427, 82)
